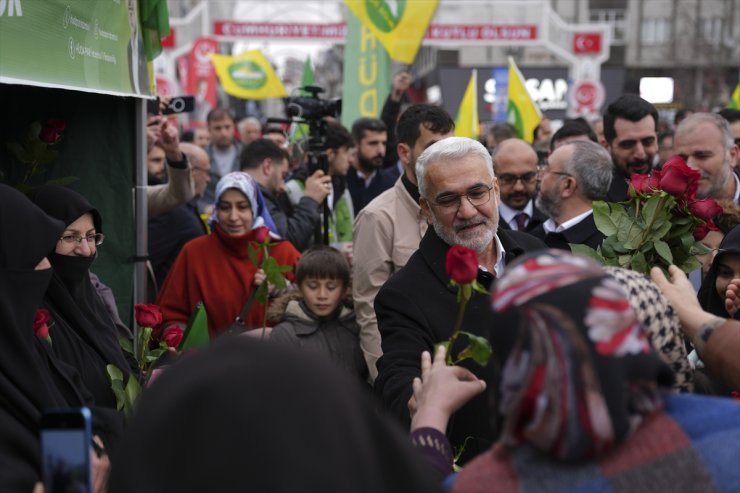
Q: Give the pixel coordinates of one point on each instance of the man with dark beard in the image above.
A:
(369, 179)
(576, 174)
(631, 139)
(416, 308)
(515, 163)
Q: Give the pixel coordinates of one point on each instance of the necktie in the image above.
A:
(521, 221)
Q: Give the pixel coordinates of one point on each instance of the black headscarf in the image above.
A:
(30, 379)
(84, 334)
(709, 299)
(247, 415)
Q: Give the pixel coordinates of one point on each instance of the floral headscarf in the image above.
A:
(582, 373)
(248, 186)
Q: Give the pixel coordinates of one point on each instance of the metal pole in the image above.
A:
(140, 212)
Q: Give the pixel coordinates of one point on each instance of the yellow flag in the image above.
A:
(466, 123)
(399, 25)
(521, 111)
(248, 76)
(735, 99)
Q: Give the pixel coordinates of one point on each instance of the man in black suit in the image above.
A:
(630, 125)
(576, 174)
(515, 164)
(416, 308)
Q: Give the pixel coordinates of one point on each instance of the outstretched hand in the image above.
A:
(441, 391)
(681, 295)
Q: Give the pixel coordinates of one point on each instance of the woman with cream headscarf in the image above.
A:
(216, 269)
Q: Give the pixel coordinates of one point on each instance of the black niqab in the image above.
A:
(30, 381)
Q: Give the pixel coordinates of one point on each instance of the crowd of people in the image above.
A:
(337, 381)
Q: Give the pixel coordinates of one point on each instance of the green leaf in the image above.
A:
(604, 221)
(586, 251)
(664, 251)
(650, 208)
(132, 393)
(261, 294)
(285, 268)
(125, 344)
(480, 348)
(699, 248)
(690, 265)
(639, 263)
(114, 373)
(478, 288)
(115, 377)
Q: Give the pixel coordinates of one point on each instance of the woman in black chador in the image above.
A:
(82, 331)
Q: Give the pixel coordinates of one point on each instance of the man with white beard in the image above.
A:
(416, 308)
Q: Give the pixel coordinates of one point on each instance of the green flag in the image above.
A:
(308, 78)
(300, 130)
(155, 24)
(366, 78)
(196, 333)
(735, 99)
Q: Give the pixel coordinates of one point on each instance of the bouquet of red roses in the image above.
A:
(661, 223)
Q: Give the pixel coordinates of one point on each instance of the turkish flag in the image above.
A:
(169, 40)
(586, 43)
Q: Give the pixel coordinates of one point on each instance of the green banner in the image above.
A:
(91, 45)
(367, 77)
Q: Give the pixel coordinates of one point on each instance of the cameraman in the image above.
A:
(337, 144)
(267, 163)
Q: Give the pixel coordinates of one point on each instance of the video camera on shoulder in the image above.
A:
(313, 110)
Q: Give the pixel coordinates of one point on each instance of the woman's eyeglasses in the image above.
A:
(97, 239)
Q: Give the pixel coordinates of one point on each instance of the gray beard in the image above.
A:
(478, 244)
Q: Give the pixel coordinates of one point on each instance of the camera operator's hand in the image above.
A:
(318, 186)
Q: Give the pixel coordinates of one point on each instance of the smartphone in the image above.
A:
(180, 104)
(66, 437)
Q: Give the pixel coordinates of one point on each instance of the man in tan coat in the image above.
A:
(388, 230)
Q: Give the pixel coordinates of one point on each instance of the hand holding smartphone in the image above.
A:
(66, 437)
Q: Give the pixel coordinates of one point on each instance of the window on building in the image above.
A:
(656, 31)
(617, 18)
(711, 30)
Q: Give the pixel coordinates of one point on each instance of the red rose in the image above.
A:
(52, 130)
(705, 209)
(40, 328)
(678, 179)
(702, 230)
(148, 315)
(639, 184)
(462, 264)
(173, 337)
(261, 234)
